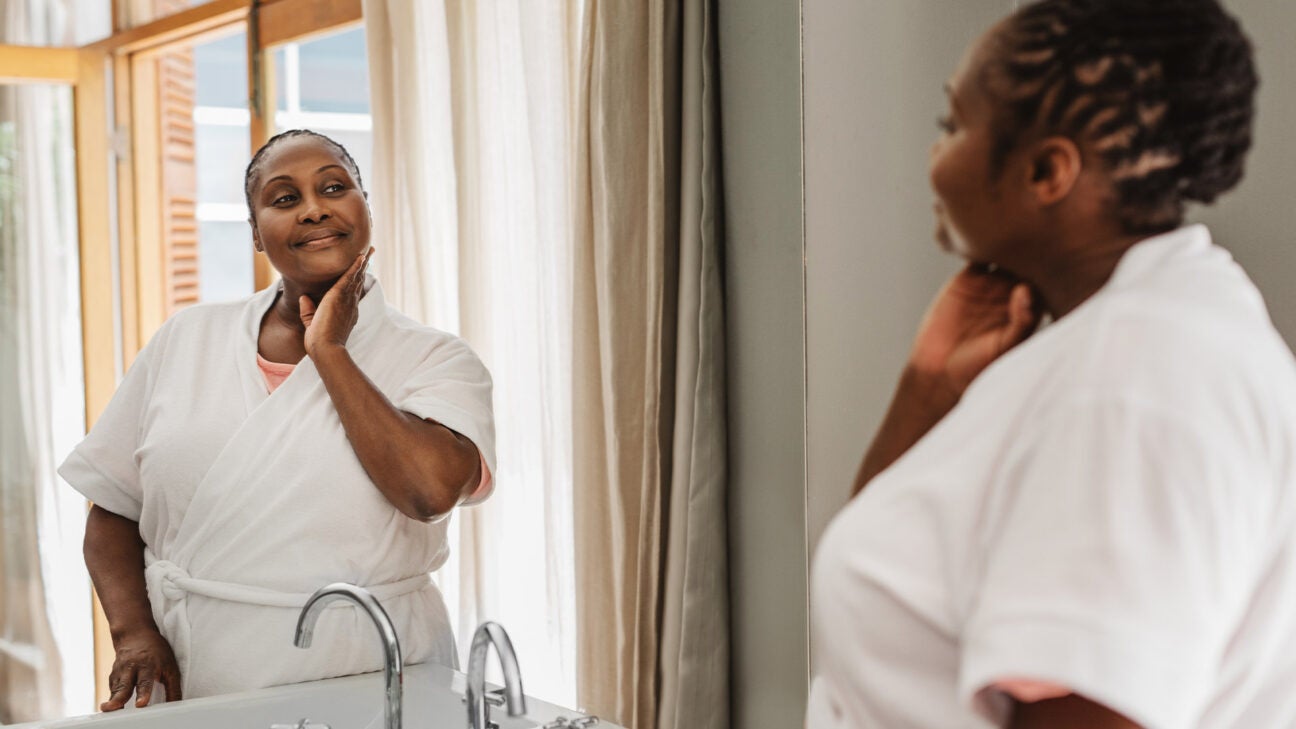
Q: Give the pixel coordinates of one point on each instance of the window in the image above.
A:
(221, 150)
(323, 85)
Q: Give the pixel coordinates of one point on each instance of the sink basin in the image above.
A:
(433, 700)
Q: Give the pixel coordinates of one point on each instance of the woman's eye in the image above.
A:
(335, 187)
(946, 124)
(284, 199)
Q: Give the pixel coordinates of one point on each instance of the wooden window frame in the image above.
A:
(85, 72)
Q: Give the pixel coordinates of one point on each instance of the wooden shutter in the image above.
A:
(175, 94)
(179, 183)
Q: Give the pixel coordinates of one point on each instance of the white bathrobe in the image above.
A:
(248, 502)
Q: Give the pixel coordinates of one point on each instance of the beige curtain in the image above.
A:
(649, 420)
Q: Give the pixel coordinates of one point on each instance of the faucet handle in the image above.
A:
(580, 722)
(494, 697)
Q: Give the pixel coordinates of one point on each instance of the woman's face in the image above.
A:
(311, 218)
(975, 205)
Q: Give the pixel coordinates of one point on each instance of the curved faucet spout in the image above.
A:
(492, 634)
(393, 665)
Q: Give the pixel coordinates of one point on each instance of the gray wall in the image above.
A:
(1257, 221)
(873, 76)
(760, 86)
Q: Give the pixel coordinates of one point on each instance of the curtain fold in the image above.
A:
(472, 110)
(45, 626)
(649, 421)
(414, 186)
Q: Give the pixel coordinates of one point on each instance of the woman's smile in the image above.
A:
(320, 239)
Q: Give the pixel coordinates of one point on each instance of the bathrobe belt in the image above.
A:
(169, 585)
(168, 582)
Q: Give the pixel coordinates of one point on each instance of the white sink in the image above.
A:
(433, 700)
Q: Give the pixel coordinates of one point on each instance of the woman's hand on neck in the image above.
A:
(287, 307)
(283, 332)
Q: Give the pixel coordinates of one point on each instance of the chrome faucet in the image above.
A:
(393, 668)
(486, 635)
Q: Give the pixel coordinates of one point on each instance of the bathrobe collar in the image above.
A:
(373, 307)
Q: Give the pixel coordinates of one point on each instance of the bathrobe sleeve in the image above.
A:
(1122, 550)
(104, 467)
(453, 387)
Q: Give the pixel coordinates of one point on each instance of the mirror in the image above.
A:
(184, 240)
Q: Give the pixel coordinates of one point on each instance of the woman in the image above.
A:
(1091, 525)
(259, 450)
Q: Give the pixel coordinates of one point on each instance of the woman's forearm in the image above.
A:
(423, 468)
(919, 402)
(114, 555)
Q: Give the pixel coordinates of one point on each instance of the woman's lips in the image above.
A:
(319, 243)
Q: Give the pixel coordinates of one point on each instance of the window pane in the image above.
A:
(335, 73)
(221, 148)
(226, 255)
(222, 153)
(220, 70)
(281, 76)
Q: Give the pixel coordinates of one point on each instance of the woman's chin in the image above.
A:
(950, 241)
(316, 273)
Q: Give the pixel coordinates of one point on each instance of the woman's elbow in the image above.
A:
(440, 484)
(429, 510)
(434, 500)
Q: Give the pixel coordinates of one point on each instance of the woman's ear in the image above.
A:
(1055, 166)
(256, 237)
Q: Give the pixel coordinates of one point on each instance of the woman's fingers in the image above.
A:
(121, 683)
(358, 277)
(144, 686)
(142, 679)
(1022, 316)
(307, 309)
(171, 679)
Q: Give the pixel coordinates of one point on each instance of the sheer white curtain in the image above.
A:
(472, 107)
(45, 620)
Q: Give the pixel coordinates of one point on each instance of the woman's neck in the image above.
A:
(287, 308)
(282, 337)
(1076, 270)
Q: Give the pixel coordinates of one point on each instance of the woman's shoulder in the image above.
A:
(198, 324)
(409, 329)
(421, 340)
(1198, 358)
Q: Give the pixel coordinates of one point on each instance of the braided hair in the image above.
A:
(1161, 90)
(253, 173)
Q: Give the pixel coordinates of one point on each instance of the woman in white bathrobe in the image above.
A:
(1092, 525)
(258, 450)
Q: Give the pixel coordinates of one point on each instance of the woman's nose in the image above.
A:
(314, 211)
